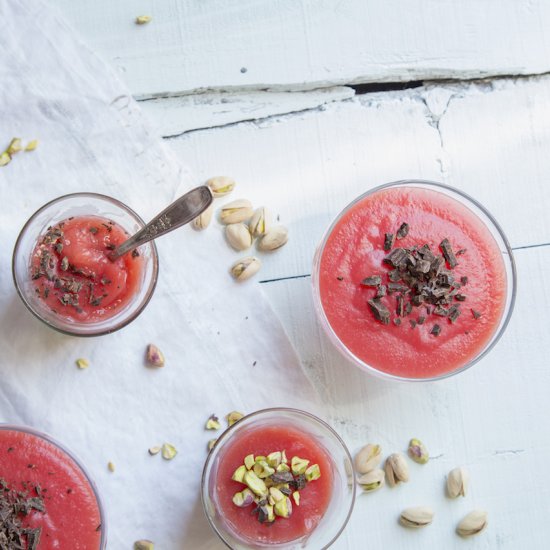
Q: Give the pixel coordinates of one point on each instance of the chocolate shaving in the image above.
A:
(421, 320)
(436, 330)
(389, 240)
(403, 231)
(340, 278)
(379, 310)
(460, 297)
(475, 313)
(397, 321)
(413, 323)
(282, 477)
(397, 257)
(382, 291)
(373, 280)
(453, 313)
(448, 253)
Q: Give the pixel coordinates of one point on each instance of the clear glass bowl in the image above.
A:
(73, 458)
(343, 491)
(494, 229)
(82, 204)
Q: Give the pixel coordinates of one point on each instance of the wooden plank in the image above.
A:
(289, 44)
(486, 421)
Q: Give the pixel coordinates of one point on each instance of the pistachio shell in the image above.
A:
(472, 524)
(245, 268)
(238, 236)
(397, 469)
(457, 482)
(274, 238)
(261, 222)
(419, 516)
(368, 458)
(154, 450)
(371, 481)
(203, 220)
(236, 212)
(221, 185)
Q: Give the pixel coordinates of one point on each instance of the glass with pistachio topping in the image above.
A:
(278, 478)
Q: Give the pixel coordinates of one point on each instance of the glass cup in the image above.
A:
(343, 488)
(62, 208)
(78, 463)
(494, 229)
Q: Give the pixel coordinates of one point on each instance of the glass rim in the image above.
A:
(6, 426)
(224, 437)
(122, 322)
(511, 285)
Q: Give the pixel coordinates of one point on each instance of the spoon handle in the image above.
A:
(180, 212)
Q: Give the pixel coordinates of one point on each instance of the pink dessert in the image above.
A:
(60, 509)
(412, 282)
(72, 272)
(304, 482)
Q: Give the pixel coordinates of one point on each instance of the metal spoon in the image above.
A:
(180, 212)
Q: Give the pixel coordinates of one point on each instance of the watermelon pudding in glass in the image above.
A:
(47, 500)
(278, 478)
(63, 272)
(414, 280)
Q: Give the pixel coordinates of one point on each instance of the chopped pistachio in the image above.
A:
(263, 469)
(143, 545)
(238, 474)
(4, 158)
(143, 19)
(313, 472)
(299, 465)
(213, 423)
(14, 146)
(155, 358)
(211, 444)
(418, 452)
(255, 484)
(233, 417)
(276, 494)
(296, 497)
(32, 145)
(274, 459)
(249, 462)
(283, 468)
(266, 514)
(168, 451)
(260, 458)
(111, 467)
(82, 363)
(283, 508)
(244, 498)
(154, 450)
(284, 459)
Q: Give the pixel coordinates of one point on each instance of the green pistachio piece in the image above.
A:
(4, 158)
(266, 514)
(274, 459)
(143, 19)
(255, 484)
(283, 468)
(263, 469)
(238, 474)
(169, 451)
(283, 508)
(313, 472)
(211, 443)
(299, 465)
(284, 459)
(249, 462)
(32, 145)
(296, 497)
(14, 146)
(418, 452)
(233, 417)
(143, 545)
(244, 498)
(276, 494)
(82, 363)
(213, 423)
(260, 458)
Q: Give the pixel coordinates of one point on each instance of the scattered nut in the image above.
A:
(397, 469)
(169, 451)
(296, 497)
(238, 236)
(368, 458)
(211, 444)
(32, 145)
(457, 482)
(418, 452)
(283, 508)
(143, 19)
(236, 212)
(274, 238)
(245, 268)
(260, 222)
(416, 517)
(213, 423)
(154, 450)
(255, 484)
(202, 221)
(221, 185)
(111, 466)
(372, 480)
(238, 474)
(313, 472)
(14, 146)
(4, 158)
(155, 358)
(244, 498)
(82, 363)
(233, 417)
(143, 545)
(299, 465)
(472, 524)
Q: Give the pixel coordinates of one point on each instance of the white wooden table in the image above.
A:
(280, 95)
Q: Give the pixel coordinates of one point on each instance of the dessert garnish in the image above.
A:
(13, 506)
(270, 482)
(419, 277)
(213, 423)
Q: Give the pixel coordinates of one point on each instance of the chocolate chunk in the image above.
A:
(448, 253)
(394, 275)
(373, 280)
(453, 313)
(442, 312)
(282, 477)
(396, 287)
(460, 298)
(340, 278)
(413, 323)
(396, 321)
(461, 251)
(475, 313)
(408, 308)
(423, 266)
(436, 330)
(397, 257)
(400, 306)
(464, 280)
(389, 240)
(403, 231)
(379, 310)
(421, 320)
(382, 290)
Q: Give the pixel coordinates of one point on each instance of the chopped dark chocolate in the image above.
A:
(460, 297)
(436, 330)
(372, 280)
(453, 313)
(396, 321)
(397, 287)
(403, 231)
(475, 313)
(421, 320)
(400, 305)
(448, 253)
(394, 275)
(442, 312)
(389, 240)
(340, 278)
(464, 280)
(382, 291)
(379, 310)
(397, 257)
(461, 251)
(413, 323)
(282, 477)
